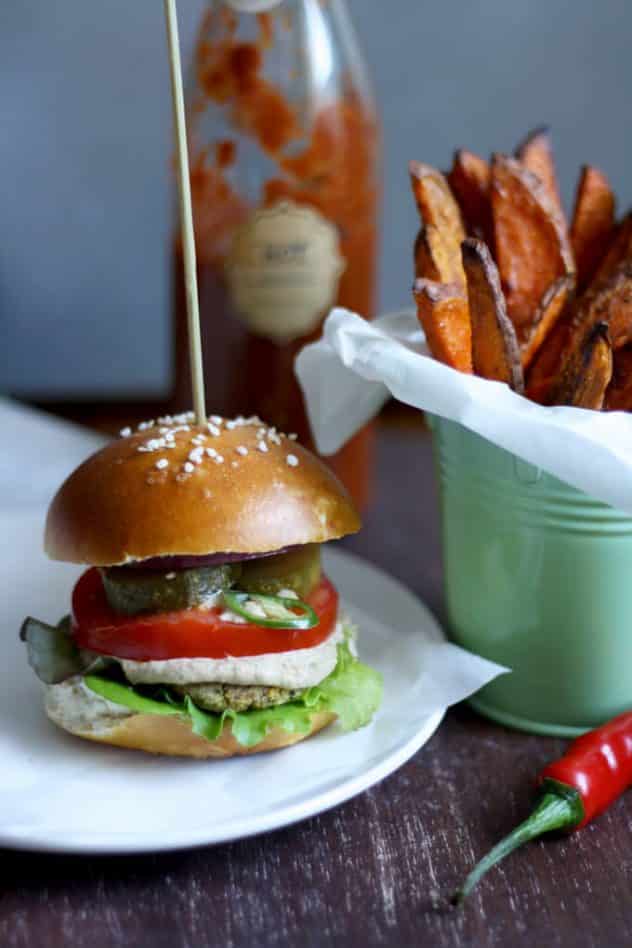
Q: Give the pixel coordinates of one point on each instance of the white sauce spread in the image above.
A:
(299, 668)
(79, 709)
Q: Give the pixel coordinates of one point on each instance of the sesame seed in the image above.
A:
(162, 463)
(125, 432)
(213, 429)
(253, 421)
(293, 436)
(211, 452)
(241, 449)
(196, 455)
(219, 459)
(179, 419)
(170, 433)
(292, 460)
(188, 467)
(170, 576)
(234, 463)
(263, 447)
(154, 444)
(215, 419)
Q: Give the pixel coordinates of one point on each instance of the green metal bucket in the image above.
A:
(538, 578)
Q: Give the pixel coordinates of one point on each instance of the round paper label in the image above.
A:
(283, 270)
(252, 6)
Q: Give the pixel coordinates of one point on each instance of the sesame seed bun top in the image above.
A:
(174, 488)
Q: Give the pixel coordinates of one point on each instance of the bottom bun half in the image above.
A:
(70, 710)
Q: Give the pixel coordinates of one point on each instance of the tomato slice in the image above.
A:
(189, 633)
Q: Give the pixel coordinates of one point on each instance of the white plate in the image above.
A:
(61, 794)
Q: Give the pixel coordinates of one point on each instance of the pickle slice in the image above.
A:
(298, 570)
(133, 591)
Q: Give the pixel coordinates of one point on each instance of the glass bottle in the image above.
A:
(285, 173)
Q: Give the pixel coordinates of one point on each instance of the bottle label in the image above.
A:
(283, 270)
(252, 6)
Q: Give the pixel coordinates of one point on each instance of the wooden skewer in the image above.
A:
(186, 214)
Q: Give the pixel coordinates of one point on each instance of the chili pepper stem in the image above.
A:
(553, 812)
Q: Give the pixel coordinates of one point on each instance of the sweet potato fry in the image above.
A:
(536, 154)
(545, 367)
(619, 393)
(586, 369)
(611, 303)
(554, 303)
(438, 259)
(470, 179)
(495, 353)
(444, 226)
(593, 222)
(425, 267)
(532, 247)
(435, 201)
(444, 315)
(619, 250)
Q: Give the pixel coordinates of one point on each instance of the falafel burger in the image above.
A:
(203, 625)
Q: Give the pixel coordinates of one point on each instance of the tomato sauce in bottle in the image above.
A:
(285, 176)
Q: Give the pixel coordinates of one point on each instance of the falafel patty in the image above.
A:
(218, 698)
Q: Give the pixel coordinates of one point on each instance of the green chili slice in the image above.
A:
(282, 612)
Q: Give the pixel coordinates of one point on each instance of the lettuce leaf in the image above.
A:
(352, 691)
(130, 697)
(53, 654)
(51, 650)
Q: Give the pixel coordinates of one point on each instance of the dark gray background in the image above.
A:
(85, 199)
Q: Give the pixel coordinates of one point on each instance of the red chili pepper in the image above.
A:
(594, 771)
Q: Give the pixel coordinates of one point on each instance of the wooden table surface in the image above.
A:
(376, 870)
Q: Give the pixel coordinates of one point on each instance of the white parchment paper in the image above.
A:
(352, 370)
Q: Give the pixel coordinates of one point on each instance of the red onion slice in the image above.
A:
(167, 563)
